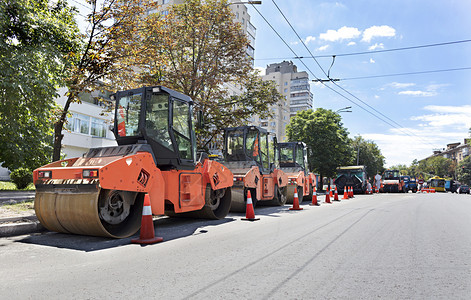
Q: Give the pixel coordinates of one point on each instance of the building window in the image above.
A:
(237, 15)
(165, 1)
(285, 90)
(243, 21)
(87, 125)
(98, 127)
(165, 13)
(286, 82)
(264, 124)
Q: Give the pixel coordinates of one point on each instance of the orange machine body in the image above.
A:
(264, 184)
(138, 173)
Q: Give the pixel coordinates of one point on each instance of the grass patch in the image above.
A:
(20, 207)
(10, 186)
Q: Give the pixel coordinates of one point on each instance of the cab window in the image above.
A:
(128, 115)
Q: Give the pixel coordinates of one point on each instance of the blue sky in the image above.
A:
(428, 110)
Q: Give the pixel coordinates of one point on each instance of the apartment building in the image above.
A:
(454, 151)
(295, 88)
(88, 125)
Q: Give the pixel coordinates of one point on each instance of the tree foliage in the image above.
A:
(35, 39)
(327, 139)
(113, 38)
(368, 154)
(464, 171)
(200, 51)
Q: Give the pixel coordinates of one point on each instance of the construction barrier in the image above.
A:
(296, 201)
(249, 211)
(146, 234)
(314, 197)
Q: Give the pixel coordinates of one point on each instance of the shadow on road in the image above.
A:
(168, 228)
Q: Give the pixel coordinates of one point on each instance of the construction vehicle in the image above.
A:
(249, 152)
(410, 183)
(352, 176)
(101, 193)
(392, 182)
(293, 161)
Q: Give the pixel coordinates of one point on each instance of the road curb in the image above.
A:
(20, 226)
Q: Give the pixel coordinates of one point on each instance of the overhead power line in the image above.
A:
(407, 73)
(373, 51)
(398, 126)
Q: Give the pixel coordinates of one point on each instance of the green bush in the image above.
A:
(21, 177)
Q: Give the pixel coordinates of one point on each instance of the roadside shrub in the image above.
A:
(21, 177)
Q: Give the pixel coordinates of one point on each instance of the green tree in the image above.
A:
(327, 139)
(439, 166)
(36, 37)
(368, 154)
(115, 35)
(464, 171)
(200, 51)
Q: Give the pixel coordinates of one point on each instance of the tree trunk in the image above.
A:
(58, 126)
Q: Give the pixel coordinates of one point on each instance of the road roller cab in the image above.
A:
(293, 161)
(102, 192)
(249, 152)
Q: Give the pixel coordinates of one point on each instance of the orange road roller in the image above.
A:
(101, 193)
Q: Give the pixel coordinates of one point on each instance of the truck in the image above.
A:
(392, 182)
(352, 176)
(410, 183)
(293, 161)
(102, 192)
(249, 153)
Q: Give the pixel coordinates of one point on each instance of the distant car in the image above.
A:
(464, 189)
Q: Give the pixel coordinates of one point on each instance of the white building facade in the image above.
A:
(295, 88)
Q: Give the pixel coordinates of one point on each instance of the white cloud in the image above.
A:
(351, 44)
(378, 31)
(439, 126)
(372, 61)
(430, 90)
(294, 43)
(457, 117)
(376, 46)
(323, 48)
(341, 34)
(376, 97)
(309, 39)
(418, 93)
(398, 85)
(466, 109)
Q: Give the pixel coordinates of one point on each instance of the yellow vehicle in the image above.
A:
(437, 183)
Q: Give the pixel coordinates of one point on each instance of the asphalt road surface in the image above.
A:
(393, 246)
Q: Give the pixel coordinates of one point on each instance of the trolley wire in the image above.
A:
(397, 125)
(374, 51)
(407, 73)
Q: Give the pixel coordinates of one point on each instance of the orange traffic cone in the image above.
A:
(349, 192)
(296, 202)
(146, 235)
(345, 193)
(330, 194)
(314, 197)
(249, 211)
(336, 195)
(353, 195)
(327, 197)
